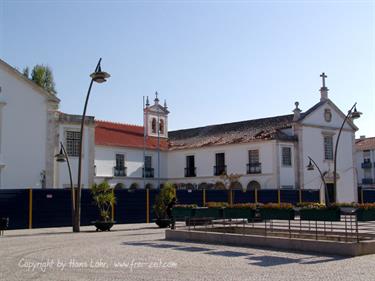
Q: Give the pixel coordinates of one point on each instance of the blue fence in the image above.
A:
(52, 207)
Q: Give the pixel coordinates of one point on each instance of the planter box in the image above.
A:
(239, 213)
(182, 213)
(320, 214)
(277, 214)
(215, 213)
(365, 215)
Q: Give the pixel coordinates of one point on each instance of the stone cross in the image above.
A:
(324, 76)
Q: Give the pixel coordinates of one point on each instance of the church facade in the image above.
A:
(266, 153)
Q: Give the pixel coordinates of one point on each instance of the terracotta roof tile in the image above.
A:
(124, 135)
(365, 144)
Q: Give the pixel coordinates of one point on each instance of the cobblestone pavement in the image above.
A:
(139, 252)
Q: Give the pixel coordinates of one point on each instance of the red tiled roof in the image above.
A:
(365, 144)
(125, 135)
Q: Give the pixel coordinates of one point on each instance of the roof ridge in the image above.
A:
(118, 123)
(235, 122)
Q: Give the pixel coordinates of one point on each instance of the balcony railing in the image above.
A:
(219, 170)
(148, 172)
(366, 165)
(254, 168)
(190, 172)
(367, 181)
(119, 171)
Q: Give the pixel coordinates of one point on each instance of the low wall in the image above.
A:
(291, 244)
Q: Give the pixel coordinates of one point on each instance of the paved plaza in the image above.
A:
(139, 252)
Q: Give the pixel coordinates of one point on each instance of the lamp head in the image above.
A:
(60, 157)
(100, 76)
(310, 167)
(355, 114)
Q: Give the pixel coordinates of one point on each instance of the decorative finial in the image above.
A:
(147, 102)
(323, 89)
(156, 97)
(165, 104)
(297, 112)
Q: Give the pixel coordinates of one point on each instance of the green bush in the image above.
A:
(103, 197)
(167, 193)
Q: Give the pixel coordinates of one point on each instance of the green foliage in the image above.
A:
(185, 206)
(43, 77)
(245, 206)
(104, 198)
(167, 193)
(284, 206)
(216, 204)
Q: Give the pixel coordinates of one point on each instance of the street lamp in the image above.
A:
(62, 157)
(97, 76)
(352, 114)
(310, 167)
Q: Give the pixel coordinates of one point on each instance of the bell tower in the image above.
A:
(156, 118)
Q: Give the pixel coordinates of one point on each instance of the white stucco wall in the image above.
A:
(23, 132)
(105, 161)
(62, 174)
(313, 129)
(236, 158)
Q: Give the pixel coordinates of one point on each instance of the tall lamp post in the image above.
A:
(352, 114)
(97, 76)
(310, 167)
(62, 157)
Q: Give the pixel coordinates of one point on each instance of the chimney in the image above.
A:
(362, 137)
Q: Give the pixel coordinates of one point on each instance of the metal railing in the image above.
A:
(148, 172)
(220, 169)
(254, 168)
(119, 171)
(190, 172)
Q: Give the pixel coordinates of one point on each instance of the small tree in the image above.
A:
(43, 77)
(229, 183)
(104, 198)
(167, 193)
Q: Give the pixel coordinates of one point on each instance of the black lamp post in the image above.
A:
(352, 114)
(97, 76)
(62, 157)
(310, 167)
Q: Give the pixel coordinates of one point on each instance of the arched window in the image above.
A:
(161, 126)
(253, 185)
(236, 185)
(153, 125)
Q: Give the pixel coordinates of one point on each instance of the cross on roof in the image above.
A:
(324, 76)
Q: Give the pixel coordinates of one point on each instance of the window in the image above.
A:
(287, 156)
(161, 126)
(366, 156)
(253, 156)
(190, 166)
(328, 147)
(120, 161)
(254, 166)
(153, 125)
(72, 143)
(148, 162)
(220, 167)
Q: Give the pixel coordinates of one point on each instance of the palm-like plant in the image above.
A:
(104, 198)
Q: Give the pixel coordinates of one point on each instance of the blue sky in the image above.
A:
(214, 61)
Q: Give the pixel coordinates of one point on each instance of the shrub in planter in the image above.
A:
(104, 198)
(366, 212)
(275, 211)
(165, 196)
(240, 211)
(320, 212)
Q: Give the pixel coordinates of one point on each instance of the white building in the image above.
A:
(268, 153)
(31, 128)
(365, 158)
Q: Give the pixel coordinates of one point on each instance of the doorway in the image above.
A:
(331, 193)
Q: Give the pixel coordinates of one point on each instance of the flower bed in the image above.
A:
(320, 212)
(271, 211)
(366, 212)
(183, 211)
(240, 211)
